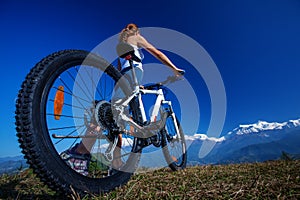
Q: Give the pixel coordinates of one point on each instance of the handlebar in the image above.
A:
(170, 79)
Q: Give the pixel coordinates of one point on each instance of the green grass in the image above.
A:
(269, 180)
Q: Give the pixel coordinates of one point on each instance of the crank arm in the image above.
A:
(109, 154)
(148, 130)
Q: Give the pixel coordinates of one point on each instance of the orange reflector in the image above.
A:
(58, 102)
(174, 159)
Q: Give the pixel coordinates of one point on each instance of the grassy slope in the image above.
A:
(269, 180)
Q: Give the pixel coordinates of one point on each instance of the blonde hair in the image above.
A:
(127, 31)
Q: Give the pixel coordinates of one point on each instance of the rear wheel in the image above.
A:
(61, 97)
(173, 143)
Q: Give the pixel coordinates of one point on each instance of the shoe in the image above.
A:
(78, 162)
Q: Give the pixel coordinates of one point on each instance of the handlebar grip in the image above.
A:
(182, 72)
(172, 79)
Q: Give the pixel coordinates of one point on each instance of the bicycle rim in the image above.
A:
(173, 144)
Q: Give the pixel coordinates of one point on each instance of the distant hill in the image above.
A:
(257, 142)
(9, 165)
(11, 158)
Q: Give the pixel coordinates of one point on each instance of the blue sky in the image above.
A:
(254, 43)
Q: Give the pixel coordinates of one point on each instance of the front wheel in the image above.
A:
(173, 143)
(55, 111)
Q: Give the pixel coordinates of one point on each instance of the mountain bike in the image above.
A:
(68, 91)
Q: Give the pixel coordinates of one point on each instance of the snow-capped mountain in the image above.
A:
(262, 126)
(249, 143)
(259, 128)
(203, 137)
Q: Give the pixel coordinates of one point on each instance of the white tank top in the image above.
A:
(138, 52)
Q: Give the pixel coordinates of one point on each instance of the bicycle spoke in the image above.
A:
(98, 92)
(84, 83)
(66, 127)
(76, 97)
(104, 87)
(70, 93)
(84, 92)
(90, 74)
(67, 116)
(70, 105)
(67, 135)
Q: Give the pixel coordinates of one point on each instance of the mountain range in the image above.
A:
(256, 142)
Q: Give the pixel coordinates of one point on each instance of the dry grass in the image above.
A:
(24, 185)
(269, 180)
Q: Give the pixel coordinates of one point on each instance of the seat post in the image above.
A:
(135, 82)
(126, 51)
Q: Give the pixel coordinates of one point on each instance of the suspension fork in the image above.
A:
(172, 114)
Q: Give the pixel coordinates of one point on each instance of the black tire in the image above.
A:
(33, 128)
(173, 144)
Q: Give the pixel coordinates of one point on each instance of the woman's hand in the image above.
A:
(179, 72)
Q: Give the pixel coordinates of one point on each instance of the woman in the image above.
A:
(129, 35)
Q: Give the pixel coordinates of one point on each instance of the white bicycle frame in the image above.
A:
(160, 100)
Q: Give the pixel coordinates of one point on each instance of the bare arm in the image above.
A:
(157, 53)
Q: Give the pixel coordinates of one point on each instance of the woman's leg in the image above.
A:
(86, 144)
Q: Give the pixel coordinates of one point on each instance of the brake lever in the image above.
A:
(172, 79)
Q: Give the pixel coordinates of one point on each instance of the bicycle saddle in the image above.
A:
(126, 51)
